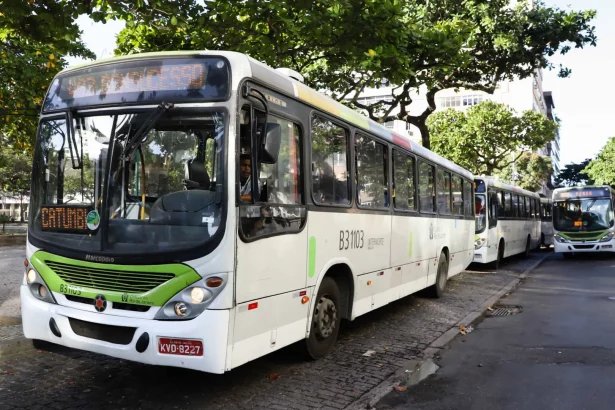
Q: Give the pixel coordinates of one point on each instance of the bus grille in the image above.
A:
(106, 279)
(585, 236)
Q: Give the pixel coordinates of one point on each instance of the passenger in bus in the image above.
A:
(245, 177)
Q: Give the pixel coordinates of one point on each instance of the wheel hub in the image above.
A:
(325, 317)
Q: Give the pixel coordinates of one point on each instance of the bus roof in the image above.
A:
(492, 181)
(256, 69)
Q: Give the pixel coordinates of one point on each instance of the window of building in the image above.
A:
(444, 192)
(457, 191)
(330, 171)
(372, 184)
(461, 100)
(390, 124)
(404, 189)
(427, 188)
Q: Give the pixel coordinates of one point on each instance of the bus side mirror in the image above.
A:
(270, 145)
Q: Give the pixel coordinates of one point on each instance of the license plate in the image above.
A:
(180, 347)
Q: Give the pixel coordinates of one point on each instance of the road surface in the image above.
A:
(558, 353)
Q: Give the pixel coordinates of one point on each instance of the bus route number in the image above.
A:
(351, 239)
(70, 290)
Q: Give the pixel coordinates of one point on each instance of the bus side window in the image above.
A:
(330, 167)
(427, 187)
(468, 199)
(509, 205)
(493, 209)
(501, 212)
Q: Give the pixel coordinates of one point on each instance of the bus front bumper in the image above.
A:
(580, 247)
(210, 327)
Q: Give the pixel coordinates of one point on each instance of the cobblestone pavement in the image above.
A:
(59, 378)
(11, 275)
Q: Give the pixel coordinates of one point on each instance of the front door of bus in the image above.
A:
(272, 242)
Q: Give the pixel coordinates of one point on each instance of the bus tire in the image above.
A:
(528, 247)
(325, 319)
(437, 290)
(41, 344)
(542, 240)
(498, 260)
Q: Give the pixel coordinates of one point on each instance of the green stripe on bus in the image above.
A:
(410, 248)
(76, 273)
(312, 257)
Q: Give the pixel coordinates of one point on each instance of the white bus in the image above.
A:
(583, 219)
(546, 225)
(200, 210)
(507, 221)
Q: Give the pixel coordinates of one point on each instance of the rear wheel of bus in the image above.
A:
(498, 260)
(326, 319)
(437, 290)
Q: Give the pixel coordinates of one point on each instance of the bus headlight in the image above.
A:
(479, 243)
(38, 287)
(607, 237)
(560, 239)
(192, 301)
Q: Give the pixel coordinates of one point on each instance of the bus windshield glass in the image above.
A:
(129, 183)
(481, 212)
(583, 214)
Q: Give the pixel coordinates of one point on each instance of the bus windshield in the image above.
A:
(481, 212)
(583, 214)
(129, 183)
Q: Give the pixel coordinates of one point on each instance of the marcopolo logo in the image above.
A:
(94, 258)
(100, 303)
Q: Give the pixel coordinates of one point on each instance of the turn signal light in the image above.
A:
(305, 300)
(369, 282)
(25, 262)
(214, 282)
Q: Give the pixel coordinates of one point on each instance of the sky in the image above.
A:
(582, 101)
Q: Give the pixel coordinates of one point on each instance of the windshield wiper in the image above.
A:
(133, 143)
(590, 205)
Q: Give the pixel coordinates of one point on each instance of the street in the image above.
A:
(63, 378)
(558, 353)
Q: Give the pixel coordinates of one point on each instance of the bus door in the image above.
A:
(271, 251)
(493, 202)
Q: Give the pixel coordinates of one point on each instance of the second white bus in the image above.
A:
(507, 221)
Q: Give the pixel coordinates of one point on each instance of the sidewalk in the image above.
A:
(396, 334)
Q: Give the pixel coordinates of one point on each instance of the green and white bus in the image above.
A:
(200, 210)
(583, 219)
(507, 221)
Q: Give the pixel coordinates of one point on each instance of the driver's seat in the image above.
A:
(196, 175)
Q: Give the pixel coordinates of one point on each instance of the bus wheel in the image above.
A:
(528, 249)
(325, 320)
(437, 290)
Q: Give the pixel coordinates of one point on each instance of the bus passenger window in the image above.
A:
(427, 188)
(444, 192)
(371, 173)
(501, 212)
(510, 213)
(457, 190)
(468, 199)
(404, 188)
(330, 172)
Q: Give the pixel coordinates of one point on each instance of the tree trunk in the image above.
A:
(422, 126)
(420, 121)
(21, 207)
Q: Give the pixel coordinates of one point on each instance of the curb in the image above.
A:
(369, 399)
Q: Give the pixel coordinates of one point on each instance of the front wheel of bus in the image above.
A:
(325, 320)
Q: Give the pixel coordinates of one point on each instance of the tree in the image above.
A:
(574, 175)
(601, 169)
(346, 46)
(3, 220)
(488, 137)
(33, 43)
(16, 174)
(529, 171)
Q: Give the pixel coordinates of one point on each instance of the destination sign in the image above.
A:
(145, 80)
(64, 218)
(582, 193)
